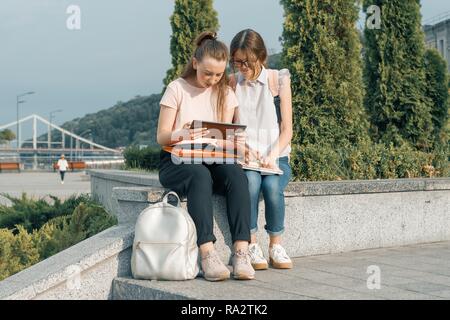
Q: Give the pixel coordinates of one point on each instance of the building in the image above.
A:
(437, 35)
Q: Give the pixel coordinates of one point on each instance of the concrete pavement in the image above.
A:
(40, 184)
(399, 273)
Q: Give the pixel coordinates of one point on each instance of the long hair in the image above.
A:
(207, 45)
(252, 45)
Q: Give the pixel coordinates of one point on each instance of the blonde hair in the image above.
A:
(207, 45)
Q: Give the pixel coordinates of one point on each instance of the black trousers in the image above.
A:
(198, 182)
(61, 173)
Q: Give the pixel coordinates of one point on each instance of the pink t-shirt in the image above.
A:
(193, 103)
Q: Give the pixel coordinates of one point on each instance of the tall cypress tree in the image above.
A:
(321, 48)
(437, 89)
(395, 75)
(190, 18)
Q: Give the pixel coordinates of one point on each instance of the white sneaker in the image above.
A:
(278, 257)
(62, 182)
(256, 257)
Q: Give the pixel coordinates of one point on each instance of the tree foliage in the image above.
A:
(437, 90)
(126, 123)
(189, 19)
(146, 158)
(21, 247)
(321, 48)
(395, 76)
(6, 136)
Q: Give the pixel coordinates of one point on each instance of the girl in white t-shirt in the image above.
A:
(202, 93)
(265, 106)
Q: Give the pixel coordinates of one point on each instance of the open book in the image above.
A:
(255, 166)
(186, 154)
(201, 150)
(199, 141)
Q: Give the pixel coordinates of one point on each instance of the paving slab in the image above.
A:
(330, 277)
(41, 184)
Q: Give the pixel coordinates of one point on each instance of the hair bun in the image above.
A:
(206, 35)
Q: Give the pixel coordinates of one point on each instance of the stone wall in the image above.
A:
(321, 218)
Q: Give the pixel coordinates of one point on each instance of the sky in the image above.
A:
(120, 50)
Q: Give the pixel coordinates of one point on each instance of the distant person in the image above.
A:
(62, 167)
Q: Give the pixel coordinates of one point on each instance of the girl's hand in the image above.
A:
(252, 156)
(237, 142)
(269, 162)
(192, 134)
(240, 138)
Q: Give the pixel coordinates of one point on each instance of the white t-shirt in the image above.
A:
(257, 110)
(62, 164)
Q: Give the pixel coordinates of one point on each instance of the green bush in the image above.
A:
(367, 161)
(146, 158)
(32, 214)
(316, 162)
(17, 252)
(20, 248)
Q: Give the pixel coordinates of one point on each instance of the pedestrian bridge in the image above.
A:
(38, 154)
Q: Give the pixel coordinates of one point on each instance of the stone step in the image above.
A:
(199, 289)
(409, 272)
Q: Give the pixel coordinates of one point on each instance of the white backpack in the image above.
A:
(165, 243)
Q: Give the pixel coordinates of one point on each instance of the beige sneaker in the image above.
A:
(242, 268)
(278, 257)
(256, 257)
(213, 268)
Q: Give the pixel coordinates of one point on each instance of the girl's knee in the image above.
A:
(271, 184)
(200, 176)
(253, 177)
(254, 181)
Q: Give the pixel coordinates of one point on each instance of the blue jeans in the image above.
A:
(272, 187)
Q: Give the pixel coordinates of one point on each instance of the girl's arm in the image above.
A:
(165, 136)
(165, 124)
(286, 122)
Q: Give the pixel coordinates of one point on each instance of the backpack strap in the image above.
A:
(274, 88)
(273, 82)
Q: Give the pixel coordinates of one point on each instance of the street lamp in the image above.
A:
(50, 127)
(18, 102)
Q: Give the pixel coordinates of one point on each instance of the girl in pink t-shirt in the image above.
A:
(202, 93)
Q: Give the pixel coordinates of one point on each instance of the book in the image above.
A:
(255, 166)
(199, 141)
(201, 150)
(186, 155)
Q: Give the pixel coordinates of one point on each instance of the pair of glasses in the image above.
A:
(239, 63)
